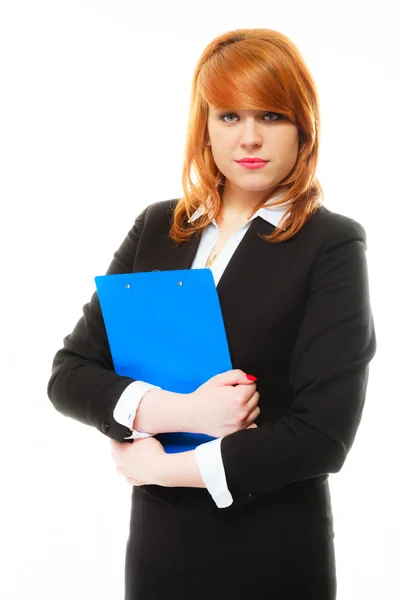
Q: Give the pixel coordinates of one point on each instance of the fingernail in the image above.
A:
(251, 377)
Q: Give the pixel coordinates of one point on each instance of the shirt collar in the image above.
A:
(271, 214)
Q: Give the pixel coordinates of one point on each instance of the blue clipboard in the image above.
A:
(166, 328)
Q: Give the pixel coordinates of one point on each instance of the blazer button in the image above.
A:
(104, 427)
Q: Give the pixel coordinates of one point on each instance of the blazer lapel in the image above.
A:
(247, 256)
(169, 257)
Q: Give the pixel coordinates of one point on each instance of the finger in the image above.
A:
(252, 417)
(253, 401)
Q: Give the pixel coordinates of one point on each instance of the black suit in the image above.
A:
(297, 316)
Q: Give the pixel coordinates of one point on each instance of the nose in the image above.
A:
(251, 134)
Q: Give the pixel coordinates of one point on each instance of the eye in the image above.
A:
(276, 116)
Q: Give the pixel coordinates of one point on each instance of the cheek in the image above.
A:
(288, 147)
(222, 153)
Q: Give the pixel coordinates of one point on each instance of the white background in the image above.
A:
(90, 90)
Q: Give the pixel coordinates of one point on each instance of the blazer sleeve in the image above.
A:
(328, 375)
(83, 384)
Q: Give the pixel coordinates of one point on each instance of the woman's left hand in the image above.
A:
(139, 462)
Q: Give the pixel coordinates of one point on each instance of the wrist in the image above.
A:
(179, 470)
(162, 411)
(164, 468)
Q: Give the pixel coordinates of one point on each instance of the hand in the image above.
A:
(139, 462)
(225, 403)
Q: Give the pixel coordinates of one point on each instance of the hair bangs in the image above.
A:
(239, 77)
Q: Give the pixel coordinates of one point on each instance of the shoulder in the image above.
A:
(154, 217)
(160, 209)
(330, 227)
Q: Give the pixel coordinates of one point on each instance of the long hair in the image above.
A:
(250, 68)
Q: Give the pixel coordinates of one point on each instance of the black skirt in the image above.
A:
(280, 547)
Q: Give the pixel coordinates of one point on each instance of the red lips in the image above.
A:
(251, 160)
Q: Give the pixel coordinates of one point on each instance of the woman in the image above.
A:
(249, 513)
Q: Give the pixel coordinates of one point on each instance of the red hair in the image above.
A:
(250, 68)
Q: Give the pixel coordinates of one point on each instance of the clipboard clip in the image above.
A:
(179, 282)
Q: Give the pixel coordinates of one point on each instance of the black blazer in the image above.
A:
(297, 316)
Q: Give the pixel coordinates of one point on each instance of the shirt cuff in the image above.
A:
(209, 460)
(128, 404)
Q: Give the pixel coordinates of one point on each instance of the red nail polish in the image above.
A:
(251, 377)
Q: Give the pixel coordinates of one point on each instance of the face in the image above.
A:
(247, 134)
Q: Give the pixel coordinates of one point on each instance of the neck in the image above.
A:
(227, 221)
(239, 205)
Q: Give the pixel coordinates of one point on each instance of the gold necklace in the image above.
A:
(211, 258)
(213, 254)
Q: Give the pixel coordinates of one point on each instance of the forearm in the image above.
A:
(161, 411)
(180, 470)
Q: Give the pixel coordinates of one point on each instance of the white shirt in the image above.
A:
(208, 455)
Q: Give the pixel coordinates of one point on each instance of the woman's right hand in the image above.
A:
(225, 403)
